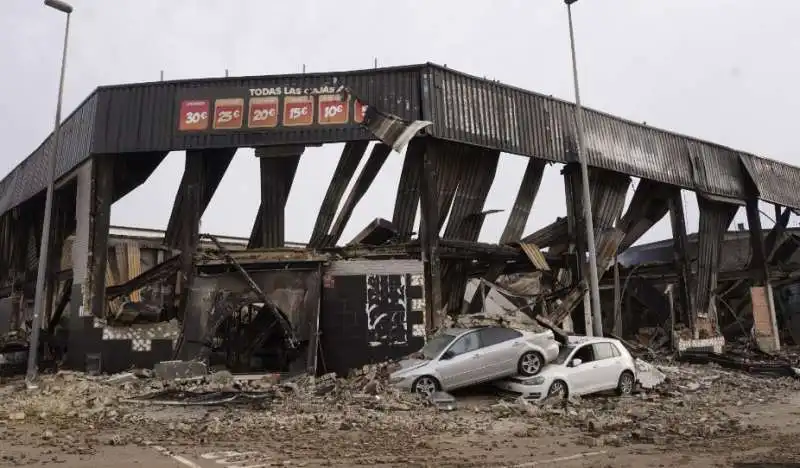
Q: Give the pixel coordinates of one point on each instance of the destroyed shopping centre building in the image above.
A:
(117, 301)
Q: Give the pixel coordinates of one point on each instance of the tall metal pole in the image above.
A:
(41, 274)
(594, 288)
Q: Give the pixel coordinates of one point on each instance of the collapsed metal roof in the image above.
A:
(140, 118)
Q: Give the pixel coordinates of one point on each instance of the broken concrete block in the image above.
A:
(172, 370)
(443, 401)
(121, 379)
(714, 345)
(649, 375)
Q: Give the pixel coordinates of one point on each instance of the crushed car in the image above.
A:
(460, 357)
(585, 365)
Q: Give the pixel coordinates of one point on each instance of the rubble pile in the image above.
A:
(517, 320)
(692, 404)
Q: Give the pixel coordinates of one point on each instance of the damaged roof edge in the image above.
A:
(469, 109)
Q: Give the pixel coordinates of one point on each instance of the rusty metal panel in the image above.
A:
(535, 256)
(134, 261)
(153, 109)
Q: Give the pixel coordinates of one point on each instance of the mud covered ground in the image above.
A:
(703, 416)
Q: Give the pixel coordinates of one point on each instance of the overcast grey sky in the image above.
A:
(720, 70)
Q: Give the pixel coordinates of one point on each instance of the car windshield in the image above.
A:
(436, 345)
(564, 354)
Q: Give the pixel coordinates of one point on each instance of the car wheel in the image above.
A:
(530, 364)
(626, 383)
(425, 385)
(558, 389)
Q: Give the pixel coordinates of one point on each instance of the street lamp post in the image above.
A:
(41, 274)
(597, 316)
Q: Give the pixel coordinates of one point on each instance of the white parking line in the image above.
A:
(560, 459)
(182, 460)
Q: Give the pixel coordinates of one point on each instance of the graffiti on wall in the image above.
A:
(386, 308)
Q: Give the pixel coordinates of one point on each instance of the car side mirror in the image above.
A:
(576, 363)
(447, 355)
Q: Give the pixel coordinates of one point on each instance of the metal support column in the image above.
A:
(429, 235)
(680, 243)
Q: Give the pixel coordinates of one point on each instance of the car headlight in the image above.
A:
(395, 380)
(536, 381)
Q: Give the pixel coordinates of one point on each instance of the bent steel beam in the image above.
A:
(526, 195)
(348, 163)
(378, 156)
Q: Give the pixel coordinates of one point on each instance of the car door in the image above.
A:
(608, 366)
(462, 367)
(582, 377)
(501, 350)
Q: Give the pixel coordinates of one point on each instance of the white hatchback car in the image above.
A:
(586, 365)
(460, 357)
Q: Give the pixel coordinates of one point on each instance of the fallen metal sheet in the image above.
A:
(392, 130)
(535, 256)
(776, 369)
(648, 374)
(549, 235)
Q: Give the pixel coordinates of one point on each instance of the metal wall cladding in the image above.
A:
(144, 117)
(31, 175)
(717, 170)
(777, 182)
(608, 190)
(715, 218)
(485, 113)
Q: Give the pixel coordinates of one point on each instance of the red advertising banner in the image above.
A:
(194, 115)
(298, 110)
(359, 111)
(333, 110)
(263, 112)
(228, 114)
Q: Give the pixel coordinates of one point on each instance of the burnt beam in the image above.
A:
(378, 156)
(203, 172)
(99, 224)
(429, 235)
(478, 172)
(680, 242)
(526, 195)
(278, 166)
(715, 217)
(758, 259)
(405, 205)
(348, 163)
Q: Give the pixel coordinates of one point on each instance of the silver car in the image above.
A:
(460, 357)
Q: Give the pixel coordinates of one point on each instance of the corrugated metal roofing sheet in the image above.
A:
(481, 112)
(535, 256)
(142, 117)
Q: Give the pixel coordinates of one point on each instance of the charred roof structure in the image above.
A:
(453, 126)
